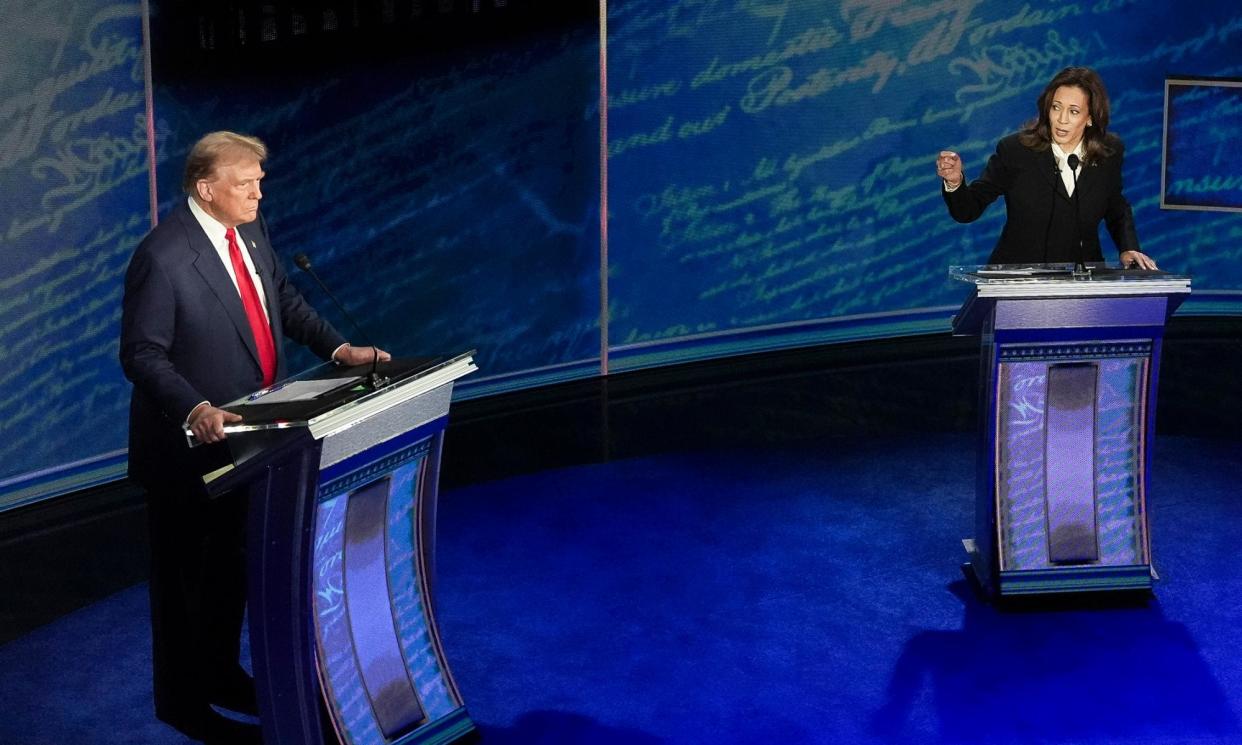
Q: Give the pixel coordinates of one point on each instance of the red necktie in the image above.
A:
(254, 311)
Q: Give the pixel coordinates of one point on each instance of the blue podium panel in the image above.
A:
(383, 672)
(1069, 477)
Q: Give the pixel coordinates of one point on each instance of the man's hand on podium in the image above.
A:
(350, 355)
(207, 422)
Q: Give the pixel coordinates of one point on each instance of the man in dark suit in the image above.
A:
(1060, 176)
(206, 305)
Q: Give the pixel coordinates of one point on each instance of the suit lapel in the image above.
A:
(1088, 178)
(208, 265)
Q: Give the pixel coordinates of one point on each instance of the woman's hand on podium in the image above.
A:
(349, 355)
(1137, 260)
(207, 422)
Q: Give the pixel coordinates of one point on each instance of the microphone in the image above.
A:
(374, 378)
(1080, 266)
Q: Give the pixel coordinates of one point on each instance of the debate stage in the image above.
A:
(732, 551)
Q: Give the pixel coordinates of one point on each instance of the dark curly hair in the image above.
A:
(1097, 142)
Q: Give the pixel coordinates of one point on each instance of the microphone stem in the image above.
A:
(374, 378)
(1080, 266)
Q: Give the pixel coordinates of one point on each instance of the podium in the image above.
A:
(1068, 371)
(342, 470)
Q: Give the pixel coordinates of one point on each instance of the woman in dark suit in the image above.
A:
(1060, 176)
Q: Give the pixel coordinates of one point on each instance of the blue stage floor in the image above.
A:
(807, 593)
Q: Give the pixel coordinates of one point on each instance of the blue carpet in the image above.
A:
(806, 594)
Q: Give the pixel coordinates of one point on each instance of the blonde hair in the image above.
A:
(213, 148)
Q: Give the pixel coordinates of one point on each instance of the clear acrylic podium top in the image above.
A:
(332, 391)
(1061, 280)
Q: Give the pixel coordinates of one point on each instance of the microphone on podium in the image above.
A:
(1080, 266)
(374, 378)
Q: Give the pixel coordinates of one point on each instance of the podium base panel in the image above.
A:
(456, 727)
(1067, 579)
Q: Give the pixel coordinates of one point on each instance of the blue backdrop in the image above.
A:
(450, 201)
(74, 175)
(771, 163)
(770, 175)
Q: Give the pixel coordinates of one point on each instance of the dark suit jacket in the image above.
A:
(185, 339)
(1040, 214)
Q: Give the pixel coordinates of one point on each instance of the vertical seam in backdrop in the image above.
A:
(603, 187)
(150, 103)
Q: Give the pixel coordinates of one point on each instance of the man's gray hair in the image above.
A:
(214, 147)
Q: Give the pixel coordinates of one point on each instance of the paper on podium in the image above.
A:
(297, 390)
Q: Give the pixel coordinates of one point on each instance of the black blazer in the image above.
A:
(185, 338)
(1039, 225)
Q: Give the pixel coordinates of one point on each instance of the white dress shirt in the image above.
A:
(1067, 177)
